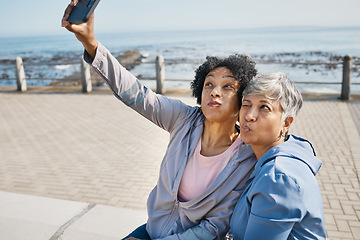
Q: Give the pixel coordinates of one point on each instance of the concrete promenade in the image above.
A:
(80, 166)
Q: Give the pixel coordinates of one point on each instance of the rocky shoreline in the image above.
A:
(129, 59)
(312, 61)
(308, 62)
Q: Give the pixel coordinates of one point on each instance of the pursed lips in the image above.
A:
(245, 128)
(214, 104)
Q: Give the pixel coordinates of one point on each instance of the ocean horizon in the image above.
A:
(305, 54)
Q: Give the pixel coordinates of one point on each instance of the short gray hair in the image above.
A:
(277, 86)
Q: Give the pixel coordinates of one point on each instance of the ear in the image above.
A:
(287, 123)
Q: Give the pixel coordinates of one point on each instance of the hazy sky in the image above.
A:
(35, 17)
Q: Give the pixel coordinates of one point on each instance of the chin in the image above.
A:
(214, 117)
(245, 139)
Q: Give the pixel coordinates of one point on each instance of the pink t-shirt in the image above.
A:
(201, 171)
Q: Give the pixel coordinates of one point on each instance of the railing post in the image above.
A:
(85, 77)
(20, 75)
(160, 74)
(346, 81)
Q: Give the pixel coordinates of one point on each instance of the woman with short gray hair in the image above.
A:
(282, 199)
(277, 86)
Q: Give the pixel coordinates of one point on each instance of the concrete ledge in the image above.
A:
(106, 223)
(36, 218)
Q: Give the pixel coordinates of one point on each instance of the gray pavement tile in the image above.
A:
(354, 107)
(92, 148)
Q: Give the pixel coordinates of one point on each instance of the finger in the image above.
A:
(64, 23)
(68, 26)
(69, 9)
(74, 28)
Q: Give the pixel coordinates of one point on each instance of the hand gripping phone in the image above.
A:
(82, 11)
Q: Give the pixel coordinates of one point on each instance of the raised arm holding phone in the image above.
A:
(204, 169)
(84, 32)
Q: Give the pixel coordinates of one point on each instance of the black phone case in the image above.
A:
(82, 11)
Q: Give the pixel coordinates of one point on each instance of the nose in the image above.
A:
(216, 92)
(250, 115)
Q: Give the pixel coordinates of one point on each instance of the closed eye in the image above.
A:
(246, 105)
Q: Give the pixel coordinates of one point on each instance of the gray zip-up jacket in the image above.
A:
(208, 215)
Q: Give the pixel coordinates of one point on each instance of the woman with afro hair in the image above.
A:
(206, 164)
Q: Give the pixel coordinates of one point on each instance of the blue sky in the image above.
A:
(35, 17)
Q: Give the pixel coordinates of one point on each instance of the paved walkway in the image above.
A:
(91, 149)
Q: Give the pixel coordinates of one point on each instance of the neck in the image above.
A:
(217, 137)
(260, 150)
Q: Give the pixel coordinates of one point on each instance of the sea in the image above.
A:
(311, 56)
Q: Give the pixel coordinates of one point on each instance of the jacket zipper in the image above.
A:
(171, 218)
(174, 211)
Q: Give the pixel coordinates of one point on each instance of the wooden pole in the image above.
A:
(160, 74)
(20, 75)
(346, 82)
(85, 77)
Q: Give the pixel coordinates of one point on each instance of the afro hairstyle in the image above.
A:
(241, 66)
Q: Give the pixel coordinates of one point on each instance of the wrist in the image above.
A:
(91, 47)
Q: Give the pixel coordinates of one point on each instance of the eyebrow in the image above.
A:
(229, 76)
(226, 76)
(262, 101)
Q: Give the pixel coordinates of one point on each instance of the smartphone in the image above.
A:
(82, 11)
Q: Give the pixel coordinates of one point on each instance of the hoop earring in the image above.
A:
(282, 134)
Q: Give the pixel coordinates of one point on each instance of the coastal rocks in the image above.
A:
(314, 61)
(129, 59)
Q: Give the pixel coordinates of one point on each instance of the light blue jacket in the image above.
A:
(208, 215)
(282, 199)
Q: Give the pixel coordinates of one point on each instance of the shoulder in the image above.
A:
(283, 172)
(276, 193)
(189, 116)
(279, 182)
(245, 153)
(276, 176)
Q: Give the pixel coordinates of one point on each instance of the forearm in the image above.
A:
(214, 225)
(116, 76)
(163, 111)
(91, 46)
(197, 232)
(273, 230)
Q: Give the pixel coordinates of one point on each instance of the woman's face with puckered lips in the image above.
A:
(219, 101)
